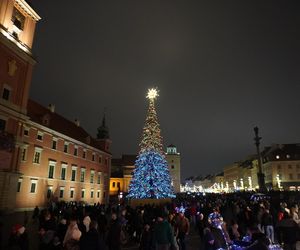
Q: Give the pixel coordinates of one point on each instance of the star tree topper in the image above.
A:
(152, 94)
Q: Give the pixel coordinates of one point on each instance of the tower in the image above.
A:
(17, 26)
(173, 159)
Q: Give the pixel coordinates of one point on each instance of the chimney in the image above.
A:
(51, 107)
(77, 122)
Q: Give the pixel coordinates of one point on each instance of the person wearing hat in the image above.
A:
(18, 238)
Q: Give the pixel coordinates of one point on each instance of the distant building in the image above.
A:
(173, 159)
(281, 166)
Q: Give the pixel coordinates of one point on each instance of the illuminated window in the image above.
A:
(98, 193)
(51, 169)
(61, 192)
(82, 174)
(2, 125)
(26, 131)
(39, 136)
(37, 155)
(24, 154)
(66, 146)
(92, 176)
(33, 185)
(99, 178)
(73, 174)
(63, 171)
(71, 192)
(18, 20)
(54, 143)
(92, 193)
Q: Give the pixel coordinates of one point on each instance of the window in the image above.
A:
(26, 131)
(290, 166)
(73, 175)
(49, 192)
(37, 155)
(19, 185)
(100, 158)
(72, 193)
(84, 154)
(61, 192)
(33, 185)
(54, 144)
(92, 193)
(18, 19)
(39, 136)
(278, 167)
(6, 94)
(291, 176)
(63, 171)
(2, 125)
(172, 167)
(24, 154)
(82, 174)
(66, 145)
(298, 176)
(93, 157)
(118, 185)
(82, 193)
(104, 195)
(75, 150)
(92, 176)
(99, 178)
(51, 169)
(114, 184)
(98, 193)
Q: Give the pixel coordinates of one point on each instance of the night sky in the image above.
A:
(222, 67)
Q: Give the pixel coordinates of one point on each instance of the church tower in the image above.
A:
(17, 26)
(173, 159)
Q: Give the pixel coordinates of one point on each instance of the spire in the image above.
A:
(103, 131)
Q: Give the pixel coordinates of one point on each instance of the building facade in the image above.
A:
(17, 26)
(43, 156)
(59, 160)
(173, 159)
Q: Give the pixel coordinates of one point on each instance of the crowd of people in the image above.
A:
(220, 221)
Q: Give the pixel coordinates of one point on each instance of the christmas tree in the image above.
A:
(151, 177)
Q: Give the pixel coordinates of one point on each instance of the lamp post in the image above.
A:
(260, 174)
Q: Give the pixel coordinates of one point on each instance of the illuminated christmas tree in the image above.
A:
(151, 177)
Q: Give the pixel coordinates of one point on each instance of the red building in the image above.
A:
(43, 156)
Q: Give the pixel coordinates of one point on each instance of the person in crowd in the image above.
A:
(288, 229)
(267, 223)
(73, 226)
(113, 240)
(146, 238)
(91, 240)
(183, 227)
(233, 231)
(163, 234)
(18, 239)
(258, 240)
(73, 241)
